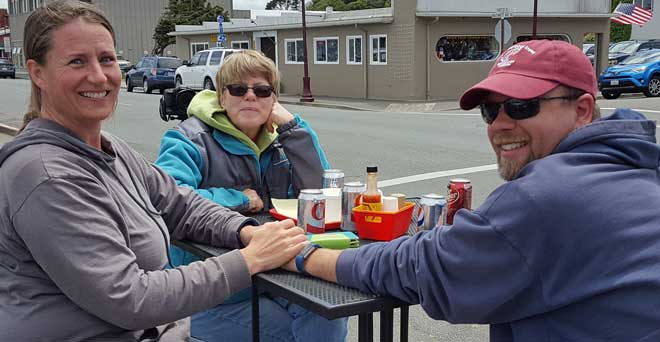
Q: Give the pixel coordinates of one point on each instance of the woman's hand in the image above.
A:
(272, 245)
(278, 116)
(256, 204)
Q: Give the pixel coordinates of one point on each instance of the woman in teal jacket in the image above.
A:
(240, 148)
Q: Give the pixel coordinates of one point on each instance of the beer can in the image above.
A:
(311, 211)
(459, 193)
(333, 179)
(433, 211)
(350, 199)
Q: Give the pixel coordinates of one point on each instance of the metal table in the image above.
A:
(326, 299)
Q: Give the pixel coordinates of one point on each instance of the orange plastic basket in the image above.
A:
(382, 225)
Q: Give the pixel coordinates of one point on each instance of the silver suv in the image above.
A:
(200, 71)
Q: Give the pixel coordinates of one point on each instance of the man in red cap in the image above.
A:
(568, 249)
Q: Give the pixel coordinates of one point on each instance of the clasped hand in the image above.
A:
(271, 245)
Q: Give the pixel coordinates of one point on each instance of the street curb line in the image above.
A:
(8, 129)
(324, 105)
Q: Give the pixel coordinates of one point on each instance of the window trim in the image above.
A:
(286, 52)
(192, 50)
(348, 43)
(371, 49)
(239, 42)
(497, 55)
(317, 39)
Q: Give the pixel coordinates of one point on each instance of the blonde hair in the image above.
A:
(247, 63)
(37, 33)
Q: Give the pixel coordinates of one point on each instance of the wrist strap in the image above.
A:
(304, 254)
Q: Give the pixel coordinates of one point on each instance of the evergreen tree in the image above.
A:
(283, 5)
(183, 12)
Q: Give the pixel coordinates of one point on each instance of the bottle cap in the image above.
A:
(372, 168)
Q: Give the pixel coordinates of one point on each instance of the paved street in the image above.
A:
(416, 152)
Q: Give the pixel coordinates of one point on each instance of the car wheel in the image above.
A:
(653, 88)
(610, 95)
(178, 83)
(129, 87)
(208, 84)
(145, 87)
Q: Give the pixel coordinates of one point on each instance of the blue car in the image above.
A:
(153, 72)
(639, 73)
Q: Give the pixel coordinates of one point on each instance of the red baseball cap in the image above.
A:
(532, 68)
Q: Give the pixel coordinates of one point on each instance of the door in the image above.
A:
(197, 70)
(268, 47)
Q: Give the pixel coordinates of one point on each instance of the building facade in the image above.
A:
(651, 30)
(5, 40)
(415, 50)
(134, 22)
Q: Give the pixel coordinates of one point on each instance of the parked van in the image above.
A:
(200, 71)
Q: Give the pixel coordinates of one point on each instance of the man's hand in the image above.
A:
(256, 204)
(278, 116)
(272, 245)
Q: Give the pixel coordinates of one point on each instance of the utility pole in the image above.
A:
(307, 93)
(534, 19)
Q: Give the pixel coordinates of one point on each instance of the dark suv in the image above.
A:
(7, 69)
(153, 72)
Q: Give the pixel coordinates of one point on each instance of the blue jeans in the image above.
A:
(279, 321)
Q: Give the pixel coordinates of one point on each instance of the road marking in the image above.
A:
(432, 175)
(638, 110)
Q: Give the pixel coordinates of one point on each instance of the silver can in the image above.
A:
(333, 179)
(311, 211)
(433, 211)
(350, 198)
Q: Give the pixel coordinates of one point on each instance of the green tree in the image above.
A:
(348, 5)
(183, 12)
(283, 5)
(619, 32)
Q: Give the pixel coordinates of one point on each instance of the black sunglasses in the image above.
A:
(241, 89)
(516, 109)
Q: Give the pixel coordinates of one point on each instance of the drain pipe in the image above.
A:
(365, 60)
(428, 56)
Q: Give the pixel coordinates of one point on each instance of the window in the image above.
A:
(194, 59)
(326, 50)
(294, 51)
(466, 48)
(24, 6)
(216, 57)
(561, 37)
(378, 49)
(354, 50)
(202, 58)
(647, 4)
(197, 47)
(243, 44)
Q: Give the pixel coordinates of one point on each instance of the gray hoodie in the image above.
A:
(84, 236)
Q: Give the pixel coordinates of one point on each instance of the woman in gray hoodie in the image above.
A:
(85, 221)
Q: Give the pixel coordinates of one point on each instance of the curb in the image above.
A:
(8, 129)
(324, 105)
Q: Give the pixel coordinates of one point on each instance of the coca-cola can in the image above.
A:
(311, 211)
(350, 199)
(459, 194)
(432, 213)
(333, 179)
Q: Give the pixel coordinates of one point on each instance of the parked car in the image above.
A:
(637, 73)
(622, 50)
(153, 72)
(200, 71)
(7, 69)
(124, 65)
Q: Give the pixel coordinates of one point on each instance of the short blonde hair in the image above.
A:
(247, 63)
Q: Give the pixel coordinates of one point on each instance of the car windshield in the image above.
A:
(618, 47)
(642, 59)
(2, 61)
(169, 63)
(630, 49)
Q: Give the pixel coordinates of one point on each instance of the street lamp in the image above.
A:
(307, 93)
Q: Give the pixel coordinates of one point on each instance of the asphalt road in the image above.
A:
(416, 153)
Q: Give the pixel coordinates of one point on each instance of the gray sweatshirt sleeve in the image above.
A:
(304, 152)
(77, 239)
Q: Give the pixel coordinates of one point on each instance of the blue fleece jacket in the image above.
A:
(567, 251)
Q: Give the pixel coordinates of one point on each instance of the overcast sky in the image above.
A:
(238, 4)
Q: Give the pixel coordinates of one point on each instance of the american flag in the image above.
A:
(631, 14)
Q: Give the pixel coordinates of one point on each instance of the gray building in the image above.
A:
(415, 50)
(134, 22)
(652, 29)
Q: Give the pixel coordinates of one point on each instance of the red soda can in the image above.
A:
(459, 195)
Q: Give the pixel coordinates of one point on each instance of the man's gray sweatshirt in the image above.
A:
(84, 235)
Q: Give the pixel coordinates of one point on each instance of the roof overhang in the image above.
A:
(445, 14)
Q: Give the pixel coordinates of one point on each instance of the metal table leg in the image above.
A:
(366, 327)
(404, 323)
(386, 325)
(255, 313)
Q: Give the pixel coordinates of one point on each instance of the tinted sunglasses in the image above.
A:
(515, 108)
(241, 90)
